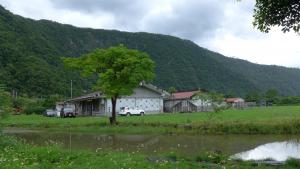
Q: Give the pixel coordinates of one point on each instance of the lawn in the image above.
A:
(276, 119)
(271, 120)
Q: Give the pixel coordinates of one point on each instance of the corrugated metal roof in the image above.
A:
(102, 95)
(234, 100)
(87, 97)
(183, 95)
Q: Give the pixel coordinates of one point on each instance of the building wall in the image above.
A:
(142, 98)
(95, 107)
(187, 105)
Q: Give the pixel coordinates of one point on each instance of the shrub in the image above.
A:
(293, 162)
(213, 157)
(34, 109)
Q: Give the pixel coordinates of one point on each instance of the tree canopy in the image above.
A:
(119, 70)
(283, 13)
(271, 95)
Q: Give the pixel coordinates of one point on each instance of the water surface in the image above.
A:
(252, 146)
(278, 151)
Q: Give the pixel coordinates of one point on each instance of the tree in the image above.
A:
(119, 71)
(231, 94)
(51, 100)
(172, 90)
(253, 96)
(271, 95)
(216, 100)
(283, 13)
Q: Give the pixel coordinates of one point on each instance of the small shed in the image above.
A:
(235, 102)
(186, 101)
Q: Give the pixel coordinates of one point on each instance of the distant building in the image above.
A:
(236, 102)
(186, 102)
(146, 97)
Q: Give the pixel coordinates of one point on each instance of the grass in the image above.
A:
(269, 120)
(17, 154)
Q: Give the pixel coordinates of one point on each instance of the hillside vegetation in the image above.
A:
(30, 61)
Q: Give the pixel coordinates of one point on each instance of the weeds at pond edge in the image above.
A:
(18, 154)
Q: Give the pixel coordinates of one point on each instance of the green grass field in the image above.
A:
(277, 119)
(271, 120)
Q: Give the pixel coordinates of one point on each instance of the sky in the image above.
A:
(223, 26)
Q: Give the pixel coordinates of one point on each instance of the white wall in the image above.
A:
(142, 98)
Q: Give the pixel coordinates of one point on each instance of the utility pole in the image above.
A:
(71, 89)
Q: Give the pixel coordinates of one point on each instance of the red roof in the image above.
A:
(234, 100)
(183, 95)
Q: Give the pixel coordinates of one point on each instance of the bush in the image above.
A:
(293, 162)
(5, 104)
(212, 157)
(34, 109)
(21, 103)
(50, 101)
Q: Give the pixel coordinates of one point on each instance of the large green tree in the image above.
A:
(283, 13)
(119, 71)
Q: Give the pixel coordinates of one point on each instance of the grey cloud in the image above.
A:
(90, 6)
(191, 19)
(126, 13)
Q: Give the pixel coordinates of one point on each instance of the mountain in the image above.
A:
(30, 61)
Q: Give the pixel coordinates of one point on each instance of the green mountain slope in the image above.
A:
(30, 62)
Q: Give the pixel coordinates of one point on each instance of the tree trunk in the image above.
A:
(113, 119)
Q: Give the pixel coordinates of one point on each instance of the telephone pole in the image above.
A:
(71, 90)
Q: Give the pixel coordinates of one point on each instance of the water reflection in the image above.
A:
(152, 144)
(278, 151)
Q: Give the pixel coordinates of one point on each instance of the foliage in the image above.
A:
(119, 70)
(34, 108)
(172, 90)
(212, 157)
(253, 96)
(293, 162)
(283, 13)
(30, 61)
(50, 101)
(17, 154)
(271, 95)
(5, 104)
(287, 100)
(230, 94)
(21, 102)
(215, 99)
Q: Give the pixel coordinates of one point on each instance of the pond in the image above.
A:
(246, 147)
(278, 151)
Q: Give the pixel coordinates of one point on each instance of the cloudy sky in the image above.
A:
(224, 26)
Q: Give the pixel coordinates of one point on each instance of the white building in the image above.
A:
(146, 97)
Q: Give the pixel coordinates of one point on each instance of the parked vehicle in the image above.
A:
(126, 111)
(49, 113)
(67, 112)
(57, 112)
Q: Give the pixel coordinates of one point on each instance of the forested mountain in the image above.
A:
(30, 62)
